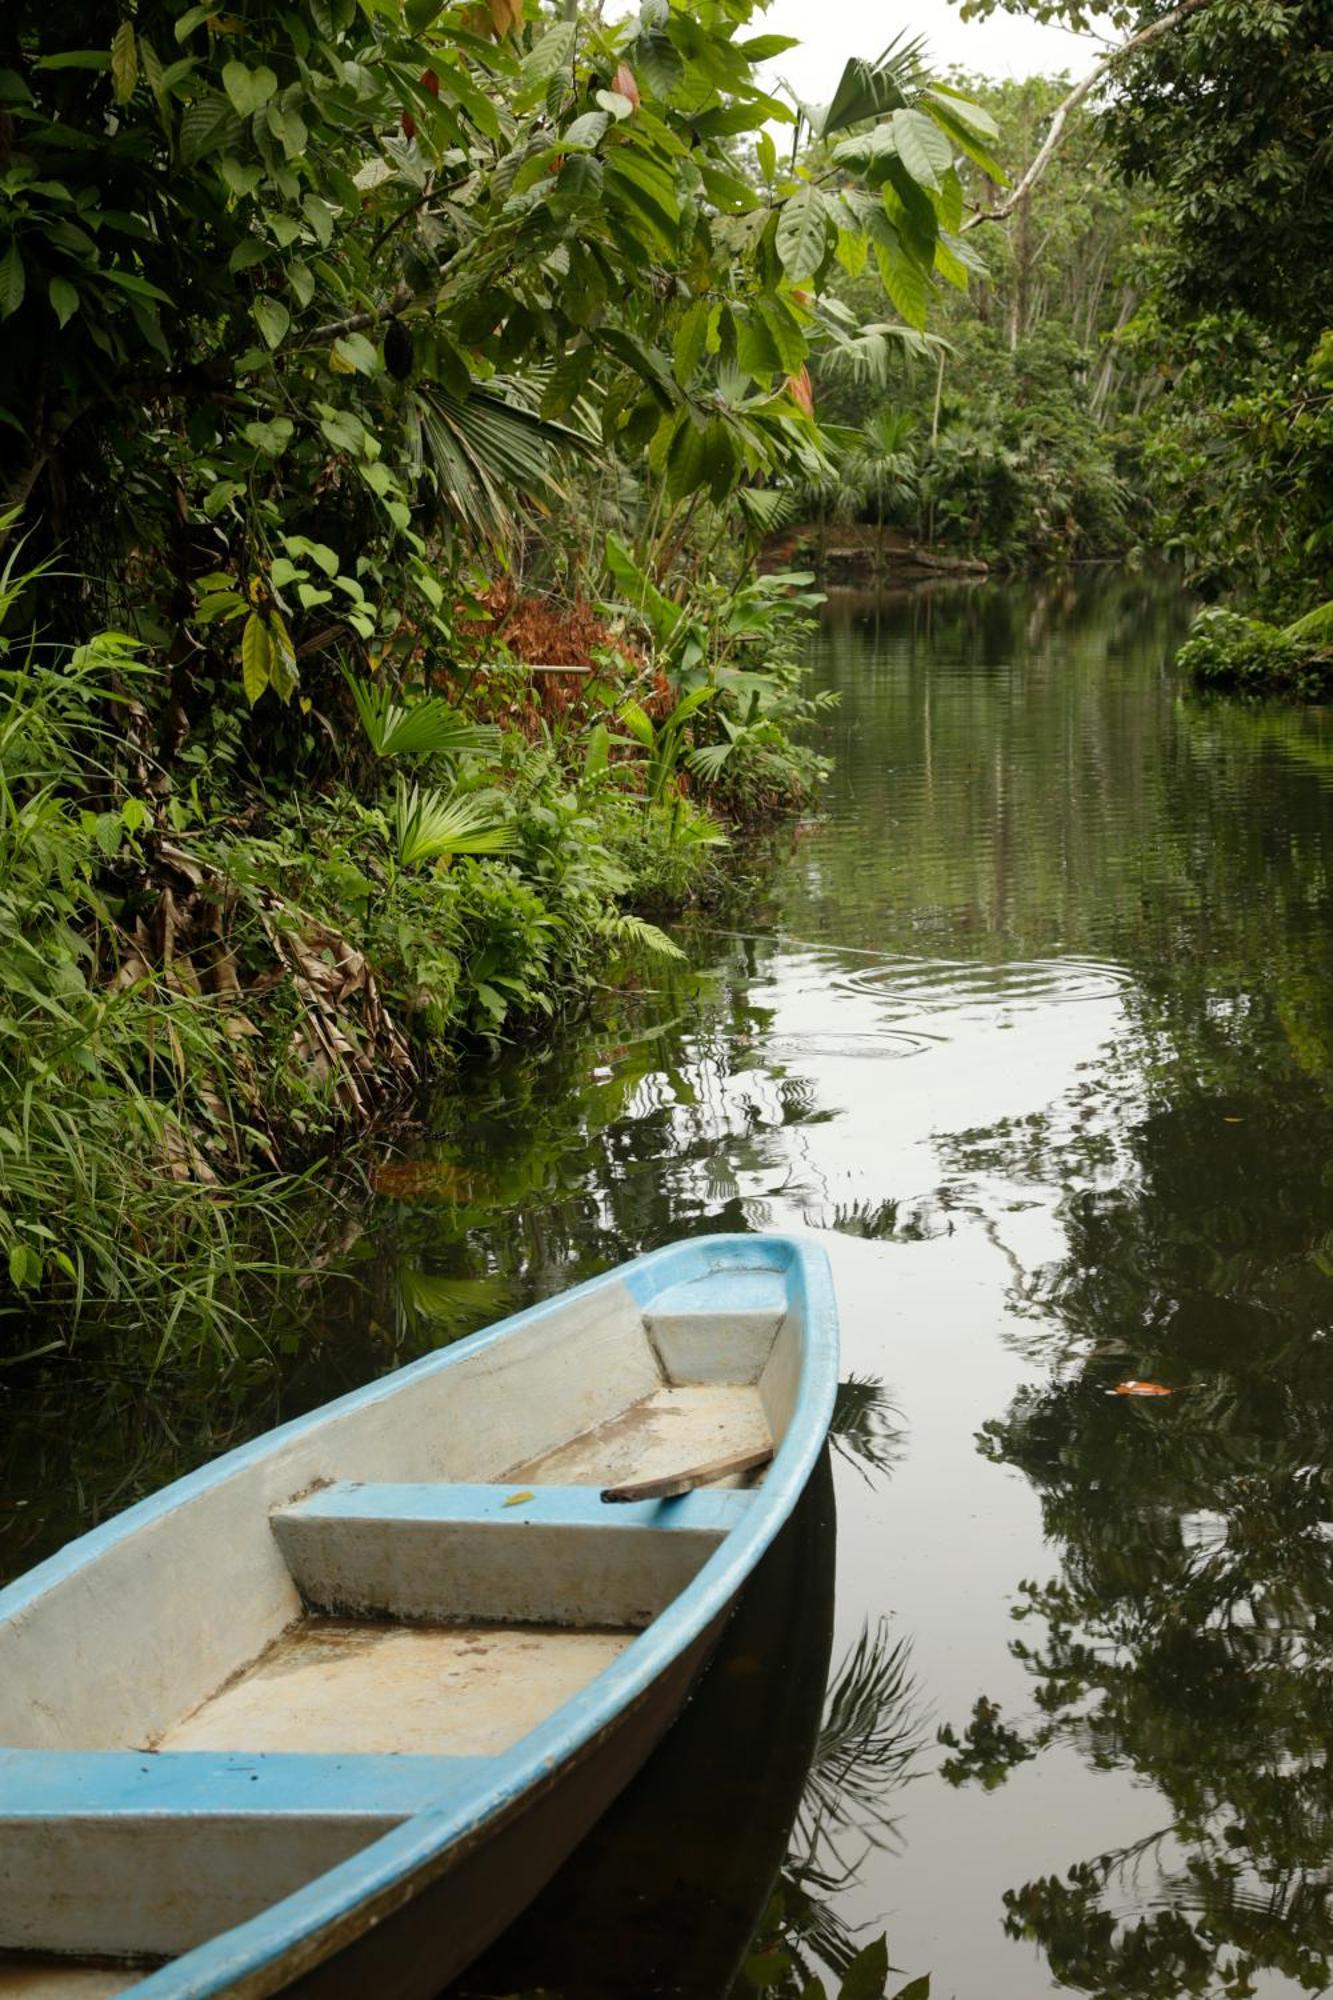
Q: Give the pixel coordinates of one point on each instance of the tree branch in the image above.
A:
(1093, 81)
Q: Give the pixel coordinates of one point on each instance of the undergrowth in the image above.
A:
(208, 980)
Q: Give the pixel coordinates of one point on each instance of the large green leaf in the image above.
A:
(803, 233)
(922, 147)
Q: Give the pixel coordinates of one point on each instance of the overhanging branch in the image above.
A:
(1050, 144)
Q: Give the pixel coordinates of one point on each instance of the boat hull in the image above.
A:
(414, 1952)
(430, 1655)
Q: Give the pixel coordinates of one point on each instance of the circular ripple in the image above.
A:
(922, 985)
(880, 1042)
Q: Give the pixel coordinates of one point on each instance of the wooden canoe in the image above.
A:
(324, 1716)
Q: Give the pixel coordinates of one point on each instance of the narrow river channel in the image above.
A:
(1034, 1026)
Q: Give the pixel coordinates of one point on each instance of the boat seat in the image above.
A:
(542, 1555)
(719, 1327)
(121, 1852)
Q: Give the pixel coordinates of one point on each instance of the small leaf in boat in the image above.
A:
(1142, 1389)
(517, 1499)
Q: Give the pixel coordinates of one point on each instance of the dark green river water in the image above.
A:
(1034, 1026)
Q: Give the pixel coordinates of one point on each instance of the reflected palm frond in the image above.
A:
(864, 1430)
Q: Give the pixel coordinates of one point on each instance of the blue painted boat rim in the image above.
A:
(262, 1955)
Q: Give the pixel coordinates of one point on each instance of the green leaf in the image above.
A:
(691, 341)
(868, 1974)
(357, 353)
(76, 59)
(207, 125)
(248, 89)
(25, 1267)
(904, 281)
(302, 281)
(550, 53)
(756, 350)
(124, 63)
(686, 460)
(802, 235)
(762, 48)
(319, 214)
(787, 334)
(284, 674)
(342, 430)
(13, 282)
(64, 300)
(659, 64)
(722, 461)
(240, 180)
(194, 18)
(648, 186)
(923, 148)
(250, 250)
(915, 1989)
(586, 131)
(220, 497)
(639, 590)
(256, 657)
(273, 320)
(965, 109)
(271, 438)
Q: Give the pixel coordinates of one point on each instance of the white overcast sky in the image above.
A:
(832, 30)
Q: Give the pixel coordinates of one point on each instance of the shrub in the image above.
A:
(1234, 654)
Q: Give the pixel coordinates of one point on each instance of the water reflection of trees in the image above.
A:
(1188, 1635)
(870, 1742)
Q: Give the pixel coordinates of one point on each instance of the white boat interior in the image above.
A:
(275, 1664)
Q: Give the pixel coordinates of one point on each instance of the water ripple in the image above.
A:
(929, 985)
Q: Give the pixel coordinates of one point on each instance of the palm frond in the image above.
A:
(490, 454)
(766, 508)
(871, 1735)
(1316, 625)
(866, 356)
(432, 825)
(418, 729)
(869, 90)
(863, 1430)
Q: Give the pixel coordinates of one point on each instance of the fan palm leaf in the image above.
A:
(434, 825)
(489, 454)
(417, 729)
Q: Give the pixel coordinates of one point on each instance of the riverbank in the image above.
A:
(217, 979)
(856, 553)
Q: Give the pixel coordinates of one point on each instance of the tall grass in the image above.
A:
(108, 1202)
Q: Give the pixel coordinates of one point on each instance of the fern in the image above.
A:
(623, 927)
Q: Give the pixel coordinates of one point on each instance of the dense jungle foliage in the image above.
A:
(397, 399)
(394, 396)
(1010, 432)
(1215, 125)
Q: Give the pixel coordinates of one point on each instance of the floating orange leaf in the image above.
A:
(1142, 1389)
(424, 1180)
